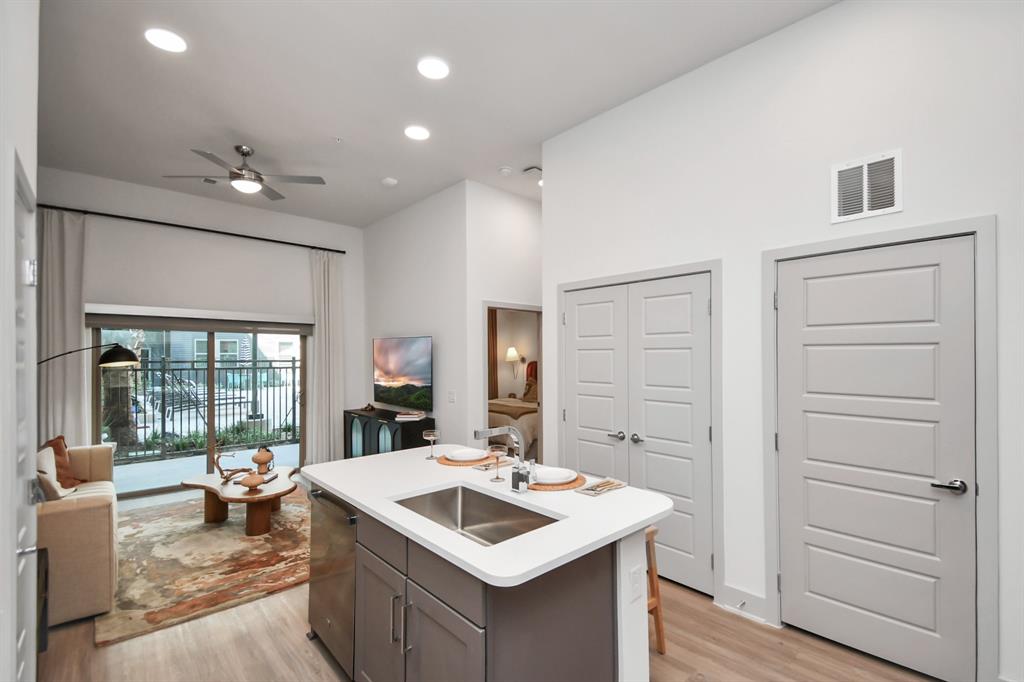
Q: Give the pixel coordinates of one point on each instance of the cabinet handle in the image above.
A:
(394, 598)
(405, 628)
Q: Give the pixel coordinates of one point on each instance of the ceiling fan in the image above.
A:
(249, 180)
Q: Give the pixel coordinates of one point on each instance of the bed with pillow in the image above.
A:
(523, 413)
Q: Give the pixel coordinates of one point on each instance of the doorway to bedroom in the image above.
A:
(514, 369)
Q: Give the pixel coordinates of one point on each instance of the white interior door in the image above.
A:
(595, 366)
(876, 404)
(670, 417)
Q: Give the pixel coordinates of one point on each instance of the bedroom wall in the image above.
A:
(415, 284)
(519, 328)
(115, 249)
(733, 159)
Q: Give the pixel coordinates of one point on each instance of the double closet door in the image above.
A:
(638, 404)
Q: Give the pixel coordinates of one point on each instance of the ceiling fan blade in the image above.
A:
(213, 177)
(271, 193)
(213, 158)
(300, 179)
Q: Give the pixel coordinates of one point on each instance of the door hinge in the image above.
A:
(775, 300)
(563, 414)
(778, 581)
(31, 273)
(709, 306)
(709, 434)
(712, 561)
(977, 489)
(563, 319)
(776, 441)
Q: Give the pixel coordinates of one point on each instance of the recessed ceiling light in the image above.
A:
(540, 183)
(433, 68)
(389, 182)
(417, 133)
(505, 171)
(246, 186)
(166, 40)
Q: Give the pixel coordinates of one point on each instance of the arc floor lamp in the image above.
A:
(116, 355)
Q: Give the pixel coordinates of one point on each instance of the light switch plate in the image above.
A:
(635, 582)
(451, 397)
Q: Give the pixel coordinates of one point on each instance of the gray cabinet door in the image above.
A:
(670, 417)
(441, 644)
(876, 404)
(380, 594)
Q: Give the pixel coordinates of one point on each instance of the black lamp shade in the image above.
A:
(119, 356)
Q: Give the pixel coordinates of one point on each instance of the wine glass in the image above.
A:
(497, 452)
(432, 435)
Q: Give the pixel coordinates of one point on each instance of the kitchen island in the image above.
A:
(562, 589)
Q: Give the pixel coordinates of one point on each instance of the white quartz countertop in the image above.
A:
(374, 483)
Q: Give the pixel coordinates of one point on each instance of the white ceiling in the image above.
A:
(289, 77)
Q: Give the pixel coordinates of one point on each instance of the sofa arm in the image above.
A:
(92, 462)
(79, 534)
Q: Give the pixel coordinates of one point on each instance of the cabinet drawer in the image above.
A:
(382, 541)
(449, 583)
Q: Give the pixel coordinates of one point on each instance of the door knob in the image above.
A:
(636, 439)
(956, 486)
(620, 435)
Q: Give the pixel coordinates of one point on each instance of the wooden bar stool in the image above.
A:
(654, 591)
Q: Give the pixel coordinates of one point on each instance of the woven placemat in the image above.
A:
(456, 463)
(554, 487)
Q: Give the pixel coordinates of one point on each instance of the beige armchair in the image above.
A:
(80, 534)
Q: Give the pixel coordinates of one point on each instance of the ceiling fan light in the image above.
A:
(246, 186)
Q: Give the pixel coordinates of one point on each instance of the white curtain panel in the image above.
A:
(63, 391)
(325, 396)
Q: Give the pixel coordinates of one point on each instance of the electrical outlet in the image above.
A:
(636, 582)
(451, 397)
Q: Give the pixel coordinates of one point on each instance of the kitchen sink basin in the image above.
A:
(481, 518)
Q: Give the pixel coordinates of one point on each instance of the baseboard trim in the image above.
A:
(742, 603)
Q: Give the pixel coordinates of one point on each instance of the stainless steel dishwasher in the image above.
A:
(332, 575)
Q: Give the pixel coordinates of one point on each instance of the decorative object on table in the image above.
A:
(580, 481)
(252, 482)
(229, 474)
(513, 356)
(115, 356)
(165, 556)
(601, 487)
(411, 416)
(369, 407)
(496, 452)
(431, 436)
(259, 503)
(266, 478)
(264, 460)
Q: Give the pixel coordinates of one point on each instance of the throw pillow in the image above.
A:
(530, 394)
(63, 459)
(46, 468)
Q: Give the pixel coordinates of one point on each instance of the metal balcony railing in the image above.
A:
(162, 409)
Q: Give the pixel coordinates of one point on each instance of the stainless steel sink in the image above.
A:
(479, 517)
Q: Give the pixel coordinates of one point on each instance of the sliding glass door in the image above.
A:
(194, 393)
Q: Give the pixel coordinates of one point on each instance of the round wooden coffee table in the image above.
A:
(258, 503)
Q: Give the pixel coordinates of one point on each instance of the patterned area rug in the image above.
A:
(173, 567)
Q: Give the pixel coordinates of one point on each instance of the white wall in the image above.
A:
(228, 263)
(415, 284)
(504, 246)
(519, 328)
(733, 158)
(429, 269)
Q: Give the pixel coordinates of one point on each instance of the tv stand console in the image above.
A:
(370, 432)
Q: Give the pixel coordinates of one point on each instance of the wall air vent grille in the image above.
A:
(867, 187)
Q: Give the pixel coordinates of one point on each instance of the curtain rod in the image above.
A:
(189, 227)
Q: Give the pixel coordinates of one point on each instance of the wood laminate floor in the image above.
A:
(265, 641)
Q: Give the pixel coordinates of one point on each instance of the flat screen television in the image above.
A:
(403, 372)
